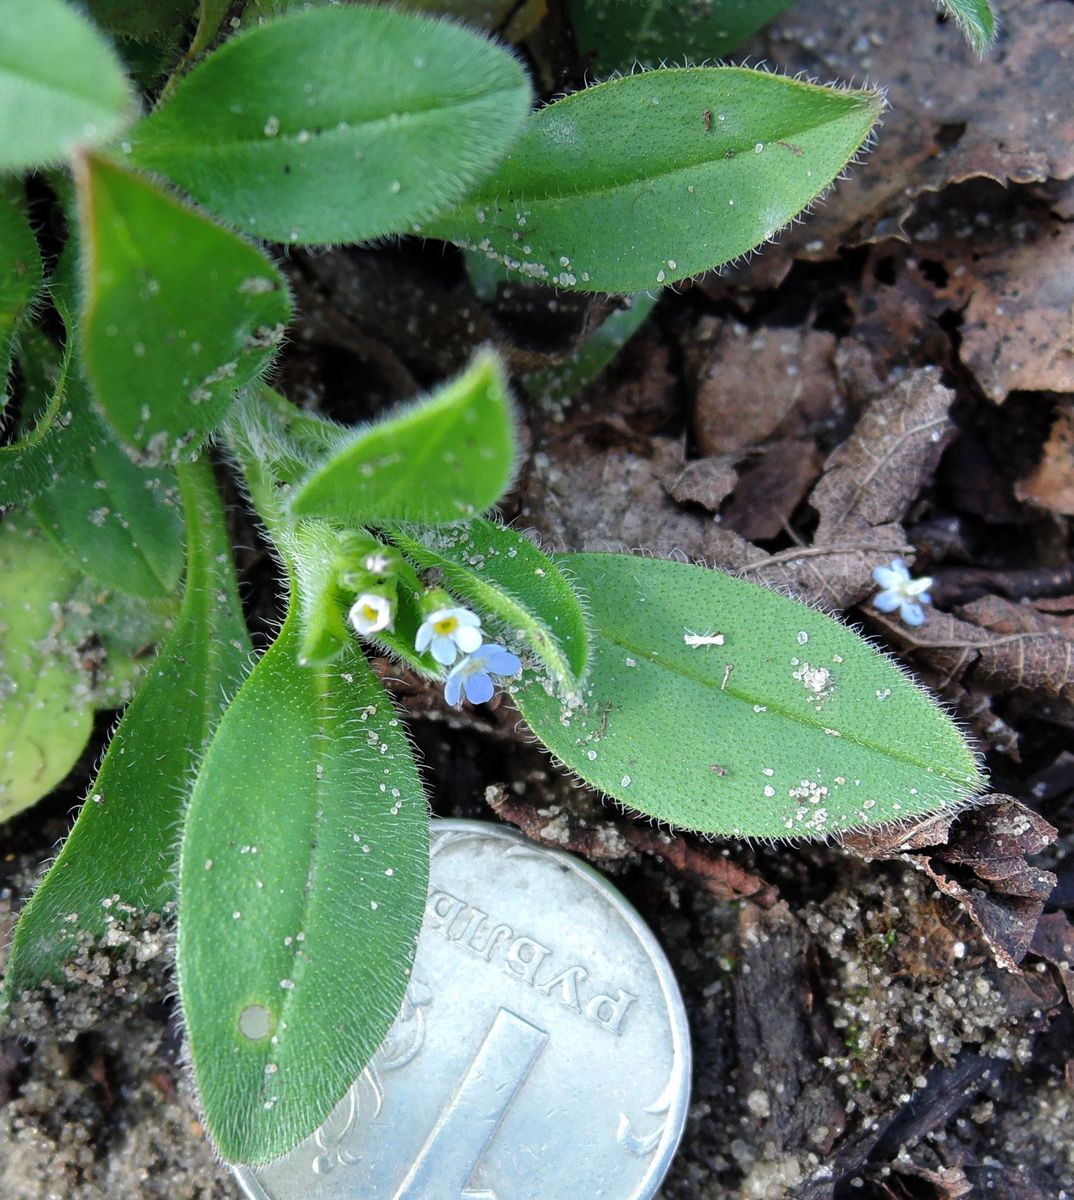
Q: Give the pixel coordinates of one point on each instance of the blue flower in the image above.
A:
(473, 675)
(902, 592)
(449, 632)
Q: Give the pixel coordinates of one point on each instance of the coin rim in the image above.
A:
(681, 1053)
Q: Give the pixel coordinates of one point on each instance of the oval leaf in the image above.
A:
(503, 574)
(120, 523)
(103, 873)
(444, 459)
(718, 706)
(178, 312)
(652, 178)
(46, 715)
(338, 124)
(302, 883)
(61, 86)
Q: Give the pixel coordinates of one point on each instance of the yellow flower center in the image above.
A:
(369, 612)
(446, 625)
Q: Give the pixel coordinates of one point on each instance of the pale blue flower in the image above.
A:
(902, 592)
(472, 677)
(449, 632)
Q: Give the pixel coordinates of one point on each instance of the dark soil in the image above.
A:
(868, 1021)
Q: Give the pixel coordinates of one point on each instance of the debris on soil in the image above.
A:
(979, 859)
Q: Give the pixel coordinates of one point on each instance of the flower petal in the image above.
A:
(478, 687)
(467, 638)
(465, 617)
(444, 651)
(887, 578)
(912, 614)
(887, 601)
(425, 636)
(453, 688)
(502, 662)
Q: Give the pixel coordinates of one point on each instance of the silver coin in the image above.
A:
(542, 1052)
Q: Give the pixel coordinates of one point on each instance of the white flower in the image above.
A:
(378, 563)
(472, 677)
(371, 613)
(449, 632)
(902, 592)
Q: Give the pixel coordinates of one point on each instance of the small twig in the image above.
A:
(821, 552)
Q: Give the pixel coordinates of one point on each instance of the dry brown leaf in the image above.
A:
(868, 485)
(1051, 485)
(990, 645)
(952, 117)
(979, 859)
(752, 379)
(1018, 330)
(1029, 650)
(704, 481)
(1054, 942)
(770, 489)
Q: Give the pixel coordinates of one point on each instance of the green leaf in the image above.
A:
(178, 312)
(61, 86)
(45, 714)
(337, 124)
(652, 178)
(444, 459)
(502, 574)
(119, 523)
(792, 727)
(314, 549)
(617, 36)
(976, 19)
(21, 273)
(564, 380)
(115, 636)
(103, 872)
(302, 884)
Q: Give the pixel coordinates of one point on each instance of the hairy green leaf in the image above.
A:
(504, 575)
(178, 312)
(652, 178)
(104, 874)
(61, 85)
(302, 883)
(21, 273)
(337, 124)
(118, 522)
(115, 636)
(314, 549)
(444, 459)
(716, 705)
(617, 36)
(45, 714)
(976, 19)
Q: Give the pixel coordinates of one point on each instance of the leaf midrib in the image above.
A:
(145, 150)
(790, 715)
